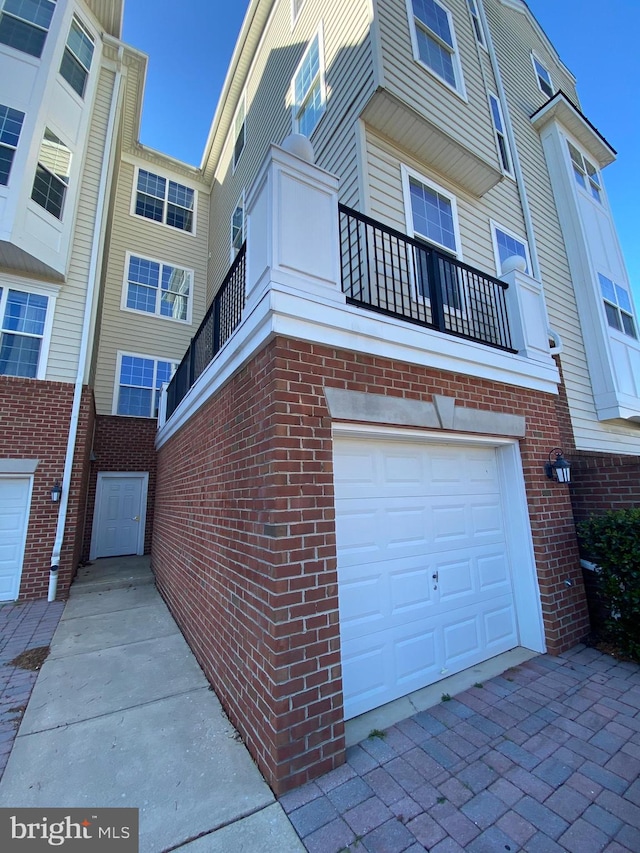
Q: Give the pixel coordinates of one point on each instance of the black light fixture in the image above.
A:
(56, 492)
(558, 470)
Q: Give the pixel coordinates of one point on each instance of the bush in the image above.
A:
(612, 542)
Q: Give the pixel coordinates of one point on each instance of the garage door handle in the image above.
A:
(136, 518)
(435, 578)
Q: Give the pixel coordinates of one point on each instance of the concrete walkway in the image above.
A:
(122, 715)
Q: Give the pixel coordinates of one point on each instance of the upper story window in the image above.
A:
(506, 244)
(237, 228)
(52, 174)
(477, 23)
(617, 306)
(501, 136)
(156, 288)
(164, 201)
(296, 5)
(586, 174)
(140, 381)
(239, 131)
(434, 41)
(309, 90)
(23, 323)
(434, 214)
(24, 24)
(545, 83)
(76, 60)
(10, 127)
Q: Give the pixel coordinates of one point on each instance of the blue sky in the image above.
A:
(190, 52)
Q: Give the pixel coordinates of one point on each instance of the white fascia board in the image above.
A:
(560, 109)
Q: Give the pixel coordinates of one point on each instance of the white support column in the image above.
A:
(527, 311)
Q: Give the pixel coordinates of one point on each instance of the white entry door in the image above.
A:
(15, 498)
(425, 586)
(119, 515)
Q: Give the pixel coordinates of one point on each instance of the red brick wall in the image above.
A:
(244, 540)
(34, 419)
(122, 444)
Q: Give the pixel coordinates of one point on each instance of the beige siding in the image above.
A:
(137, 332)
(349, 80)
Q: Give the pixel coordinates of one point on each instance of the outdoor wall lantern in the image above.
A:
(56, 492)
(558, 470)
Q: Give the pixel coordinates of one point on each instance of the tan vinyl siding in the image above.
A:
(69, 314)
(349, 81)
(137, 332)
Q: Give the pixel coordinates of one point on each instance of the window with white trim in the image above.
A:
(506, 244)
(140, 381)
(296, 6)
(545, 84)
(239, 131)
(308, 89)
(585, 173)
(617, 306)
(23, 321)
(163, 200)
(477, 23)
(435, 42)
(237, 227)
(52, 174)
(24, 24)
(156, 288)
(10, 127)
(501, 136)
(77, 56)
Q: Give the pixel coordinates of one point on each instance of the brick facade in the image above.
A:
(244, 540)
(122, 444)
(35, 418)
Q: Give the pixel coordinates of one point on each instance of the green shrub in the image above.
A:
(612, 542)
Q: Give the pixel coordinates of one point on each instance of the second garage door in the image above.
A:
(424, 574)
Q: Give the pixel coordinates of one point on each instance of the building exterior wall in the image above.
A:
(244, 542)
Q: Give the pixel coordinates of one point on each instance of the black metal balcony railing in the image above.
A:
(384, 270)
(219, 322)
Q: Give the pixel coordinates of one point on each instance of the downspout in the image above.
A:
(86, 332)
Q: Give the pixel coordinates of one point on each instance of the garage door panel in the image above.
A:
(500, 627)
(15, 495)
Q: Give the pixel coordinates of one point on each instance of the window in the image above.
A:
(296, 5)
(239, 132)
(23, 320)
(164, 201)
(76, 61)
(617, 306)
(544, 78)
(237, 228)
(24, 24)
(506, 244)
(501, 138)
(140, 381)
(157, 288)
(52, 174)
(477, 24)
(308, 90)
(586, 174)
(434, 41)
(10, 127)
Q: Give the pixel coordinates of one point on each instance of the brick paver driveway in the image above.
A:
(543, 758)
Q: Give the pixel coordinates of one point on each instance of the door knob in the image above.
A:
(136, 518)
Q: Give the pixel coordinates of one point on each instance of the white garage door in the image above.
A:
(14, 518)
(424, 578)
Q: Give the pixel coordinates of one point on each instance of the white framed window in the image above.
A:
(617, 306)
(153, 287)
(586, 174)
(139, 381)
(308, 92)
(434, 41)
(163, 200)
(545, 83)
(296, 6)
(501, 135)
(239, 131)
(52, 174)
(24, 24)
(77, 56)
(237, 227)
(431, 211)
(10, 128)
(507, 244)
(477, 23)
(26, 319)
